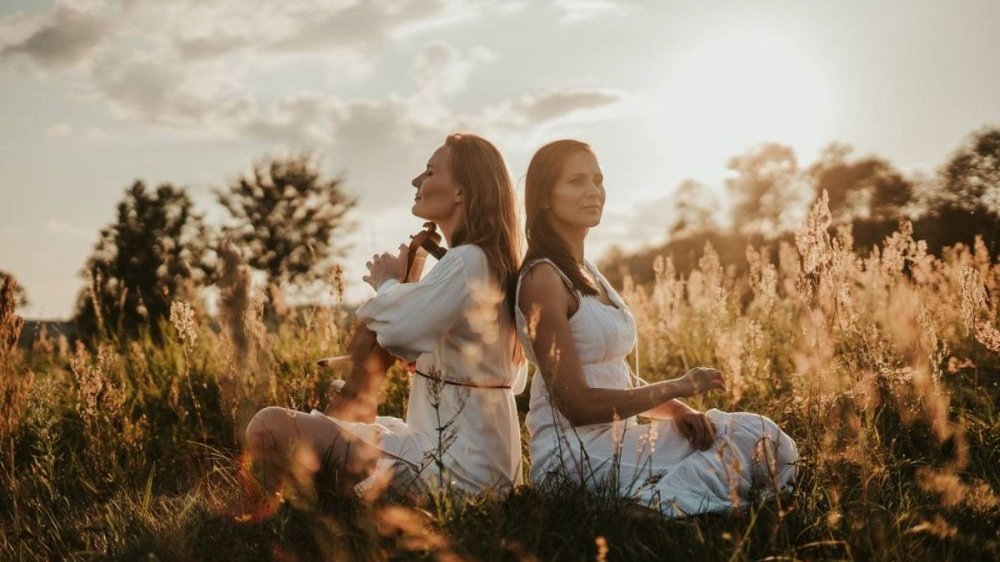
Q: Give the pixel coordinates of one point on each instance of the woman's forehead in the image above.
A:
(581, 161)
(440, 157)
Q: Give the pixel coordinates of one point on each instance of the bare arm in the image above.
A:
(693, 425)
(546, 303)
(671, 409)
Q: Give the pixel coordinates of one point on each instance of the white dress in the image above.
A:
(653, 464)
(459, 331)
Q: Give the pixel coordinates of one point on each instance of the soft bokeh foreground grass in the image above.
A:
(884, 368)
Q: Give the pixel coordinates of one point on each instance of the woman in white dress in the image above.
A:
(455, 328)
(575, 327)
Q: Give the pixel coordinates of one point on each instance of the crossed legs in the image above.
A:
(357, 401)
(290, 444)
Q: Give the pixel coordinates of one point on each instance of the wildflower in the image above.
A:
(813, 240)
(182, 318)
(234, 298)
(483, 312)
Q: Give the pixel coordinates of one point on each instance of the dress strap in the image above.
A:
(562, 275)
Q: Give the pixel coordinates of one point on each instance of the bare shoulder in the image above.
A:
(542, 288)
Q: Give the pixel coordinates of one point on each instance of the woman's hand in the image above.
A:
(386, 266)
(697, 429)
(702, 379)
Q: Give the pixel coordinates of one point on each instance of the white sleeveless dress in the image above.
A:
(462, 434)
(654, 464)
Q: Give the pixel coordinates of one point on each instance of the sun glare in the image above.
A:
(738, 90)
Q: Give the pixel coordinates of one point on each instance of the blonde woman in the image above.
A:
(584, 403)
(455, 325)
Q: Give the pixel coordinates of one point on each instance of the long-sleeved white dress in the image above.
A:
(654, 463)
(461, 426)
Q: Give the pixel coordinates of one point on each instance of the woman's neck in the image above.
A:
(573, 237)
(448, 227)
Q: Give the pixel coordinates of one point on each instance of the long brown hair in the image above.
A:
(543, 241)
(489, 217)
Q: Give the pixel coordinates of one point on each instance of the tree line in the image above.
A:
(769, 191)
(282, 217)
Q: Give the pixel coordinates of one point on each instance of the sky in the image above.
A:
(95, 94)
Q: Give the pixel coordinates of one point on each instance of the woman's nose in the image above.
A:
(417, 180)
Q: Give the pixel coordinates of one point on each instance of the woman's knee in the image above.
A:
(265, 430)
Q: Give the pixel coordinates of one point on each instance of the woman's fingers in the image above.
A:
(713, 379)
(385, 266)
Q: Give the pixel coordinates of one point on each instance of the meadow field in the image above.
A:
(884, 366)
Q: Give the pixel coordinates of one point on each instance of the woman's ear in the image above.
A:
(458, 195)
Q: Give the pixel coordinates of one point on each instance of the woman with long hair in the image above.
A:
(456, 330)
(577, 329)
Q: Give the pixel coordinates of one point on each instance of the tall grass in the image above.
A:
(885, 369)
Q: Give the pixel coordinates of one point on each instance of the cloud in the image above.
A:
(65, 37)
(94, 133)
(560, 103)
(150, 89)
(58, 130)
(526, 119)
(210, 46)
(299, 120)
(360, 23)
(579, 10)
(442, 70)
(218, 70)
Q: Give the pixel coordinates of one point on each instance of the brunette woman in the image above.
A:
(583, 408)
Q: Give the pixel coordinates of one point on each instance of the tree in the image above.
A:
(971, 179)
(867, 188)
(155, 251)
(967, 201)
(10, 323)
(694, 206)
(767, 188)
(286, 216)
(19, 295)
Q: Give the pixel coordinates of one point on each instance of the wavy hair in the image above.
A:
(489, 218)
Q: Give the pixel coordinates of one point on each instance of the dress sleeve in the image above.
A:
(409, 318)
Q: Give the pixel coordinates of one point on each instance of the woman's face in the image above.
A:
(577, 198)
(438, 196)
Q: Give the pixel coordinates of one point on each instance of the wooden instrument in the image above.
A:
(427, 241)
